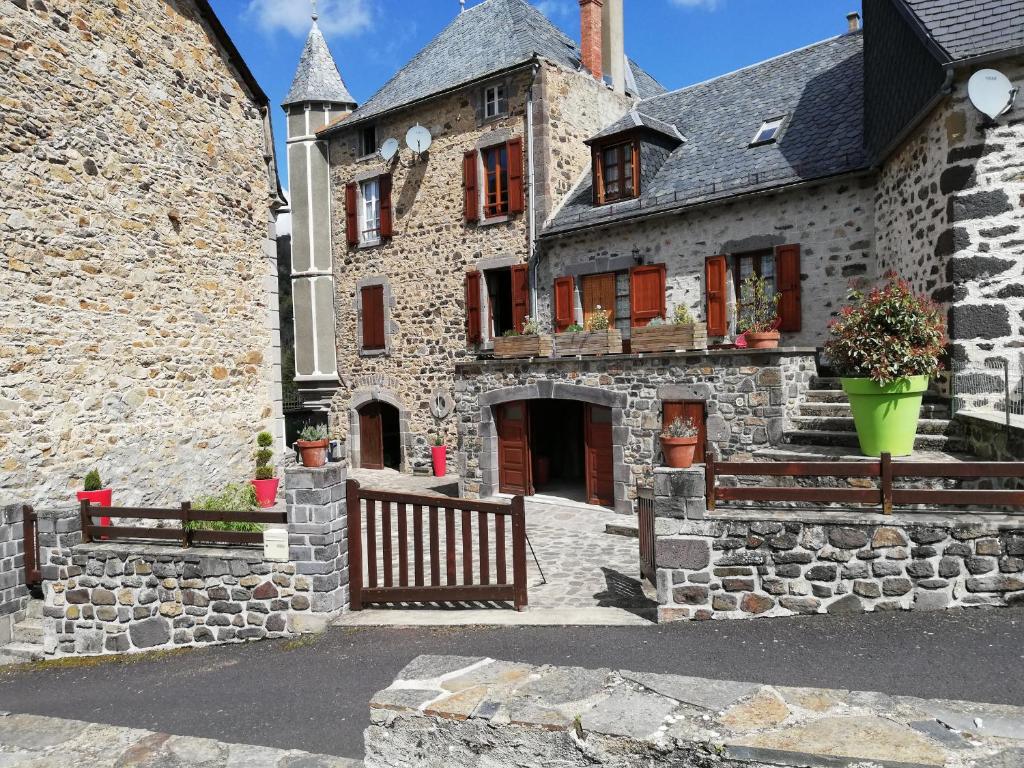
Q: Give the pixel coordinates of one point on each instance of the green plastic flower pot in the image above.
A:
(886, 416)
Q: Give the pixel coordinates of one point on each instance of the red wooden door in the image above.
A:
(694, 409)
(514, 471)
(371, 437)
(597, 438)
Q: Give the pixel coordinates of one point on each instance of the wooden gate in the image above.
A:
(30, 527)
(645, 528)
(600, 462)
(396, 540)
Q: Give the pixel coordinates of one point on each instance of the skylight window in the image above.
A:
(768, 132)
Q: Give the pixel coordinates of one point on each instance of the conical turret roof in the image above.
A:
(317, 78)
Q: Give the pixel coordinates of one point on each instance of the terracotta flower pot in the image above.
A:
(679, 451)
(100, 498)
(439, 458)
(266, 491)
(313, 453)
(766, 340)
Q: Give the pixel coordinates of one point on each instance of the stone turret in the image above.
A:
(317, 97)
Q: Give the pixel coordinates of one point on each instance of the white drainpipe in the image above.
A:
(533, 202)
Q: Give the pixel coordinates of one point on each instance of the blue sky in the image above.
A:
(679, 41)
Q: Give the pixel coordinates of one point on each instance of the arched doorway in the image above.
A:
(380, 436)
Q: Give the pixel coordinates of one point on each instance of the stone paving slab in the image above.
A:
(527, 715)
(32, 741)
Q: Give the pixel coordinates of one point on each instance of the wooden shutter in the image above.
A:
(646, 294)
(520, 296)
(715, 276)
(670, 411)
(565, 303)
(515, 175)
(352, 213)
(469, 181)
(386, 219)
(373, 317)
(473, 327)
(787, 277)
(598, 181)
(635, 149)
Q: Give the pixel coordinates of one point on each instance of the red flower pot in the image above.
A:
(766, 340)
(266, 491)
(312, 452)
(678, 451)
(100, 498)
(439, 456)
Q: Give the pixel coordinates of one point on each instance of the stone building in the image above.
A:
(819, 170)
(138, 298)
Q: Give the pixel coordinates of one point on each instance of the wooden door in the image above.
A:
(599, 290)
(597, 427)
(670, 411)
(371, 437)
(514, 470)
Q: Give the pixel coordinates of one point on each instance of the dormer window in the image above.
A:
(768, 132)
(495, 101)
(616, 172)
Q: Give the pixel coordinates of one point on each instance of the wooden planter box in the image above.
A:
(669, 338)
(523, 346)
(588, 343)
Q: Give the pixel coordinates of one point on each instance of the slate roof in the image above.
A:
(963, 29)
(488, 38)
(818, 88)
(637, 119)
(317, 78)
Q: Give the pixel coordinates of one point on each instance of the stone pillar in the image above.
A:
(13, 589)
(59, 531)
(318, 539)
(679, 493)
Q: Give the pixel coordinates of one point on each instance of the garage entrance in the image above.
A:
(380, 436)
(556, 447)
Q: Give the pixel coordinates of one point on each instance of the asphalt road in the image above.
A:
(312, 695)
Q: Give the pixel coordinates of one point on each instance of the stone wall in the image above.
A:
(111, 597)
(138, 328)
(948, 214)
(833, 223)
(14, 595)
(990, 438)
(744, 563)
(460, 712)
(747, 397)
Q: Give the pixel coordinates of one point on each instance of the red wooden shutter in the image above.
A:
(595, 162)
(565, 303)
(386, 219)
(373, 317)
(473, 328)
(646, 294)
(352, 213)
(472, 197)
(515, 175)
(670, 411)
(715, 276)
(520, 296)
(787, 276)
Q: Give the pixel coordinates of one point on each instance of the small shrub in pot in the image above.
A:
(312, 445)
(679, 442)
(265, 483)
(758, 314)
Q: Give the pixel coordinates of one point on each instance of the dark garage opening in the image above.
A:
(556, 443)
(391, 434)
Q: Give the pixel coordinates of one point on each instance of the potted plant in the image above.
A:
(679, 442)
(265, 482)
(886, 346)
(681, 334)
(312, 445)
(94, 492)
(596, 338)
(759, 314)
(530, 343)
(439, 456)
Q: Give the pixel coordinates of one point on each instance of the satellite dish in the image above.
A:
(389, 149)
(991, 92)
(418, 138)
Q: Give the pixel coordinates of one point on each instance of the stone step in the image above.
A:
(825, 382)
(35, 609)
(26, 651)
(628, 528)
(798, 453)
(845, 424)
(928, 410)
(28, 631)
(849, 439)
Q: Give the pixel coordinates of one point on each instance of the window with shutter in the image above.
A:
(646, 294)
(474, 334)
(616, 172)
(565, 303)
(496, 181)
(515, 176)
(715, 276)
(373, 317)
(471, 203)
(694, 409)
(352, 213)
(787, 277)
(520, 296)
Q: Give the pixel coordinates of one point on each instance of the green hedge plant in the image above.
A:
(235, 497)
(92, 481)
(264, 470)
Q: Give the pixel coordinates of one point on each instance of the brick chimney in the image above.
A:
(853, 19)
(591, 38)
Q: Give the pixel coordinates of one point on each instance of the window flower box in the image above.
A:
(669, 337)
(572, 343)
(533, 345)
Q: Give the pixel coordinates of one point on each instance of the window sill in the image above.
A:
(373, 352)
(492, 220)
(370, 244)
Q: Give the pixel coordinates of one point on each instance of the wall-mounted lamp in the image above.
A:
(637, 257)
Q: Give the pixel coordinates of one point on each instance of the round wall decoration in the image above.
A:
(441, 404)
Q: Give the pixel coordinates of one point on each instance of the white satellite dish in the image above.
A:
(991, 92)
(418, 138)
(389, 149)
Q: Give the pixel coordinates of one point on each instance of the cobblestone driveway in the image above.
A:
(583, 567)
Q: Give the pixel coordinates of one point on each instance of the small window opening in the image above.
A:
(368, 141)
(768, 132)
(499, 301)
(370, 230)
(495, 103)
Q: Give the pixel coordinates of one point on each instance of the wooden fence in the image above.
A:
(885, 495)
(185, 533)
(376, 554)
(30, 529)
(645, 529)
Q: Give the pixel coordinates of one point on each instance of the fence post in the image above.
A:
(709, 475)
(1006, 392)
(519, 552)
(355, 546)
(86, 521)
(886, 472)
(186, 532)
(30, 533)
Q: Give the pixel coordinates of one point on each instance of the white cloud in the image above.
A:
(709, 5)
(553, 8)
(337, 17)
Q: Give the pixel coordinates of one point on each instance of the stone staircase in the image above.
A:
(27, 641)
